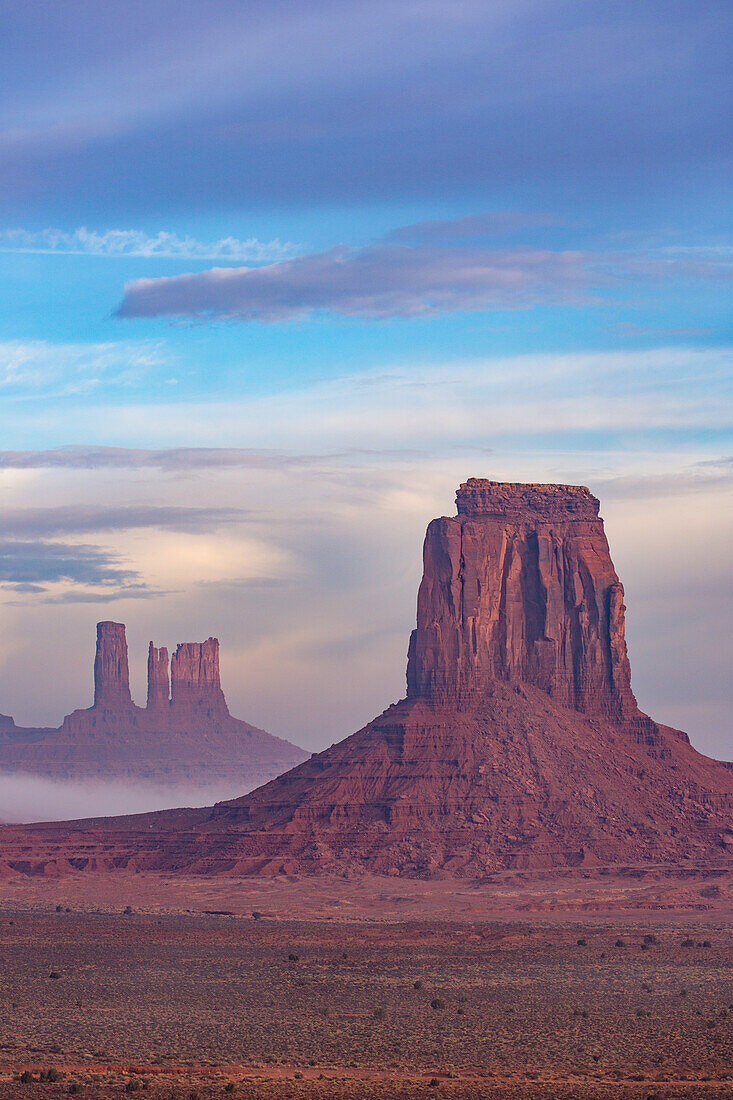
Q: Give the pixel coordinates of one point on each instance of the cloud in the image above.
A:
(171, 459)
(33, 562)
(580, 400)
(489, 224)
(134, 242)
(221, 105)
(375, 282)
(83, 518)
(38, 367)
(389, 279)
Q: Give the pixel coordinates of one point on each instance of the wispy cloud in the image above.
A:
(86, 518)
(443, 270)
(170, 459)
(375, 282)
(491, 223)
(33, 368)
(135, 242)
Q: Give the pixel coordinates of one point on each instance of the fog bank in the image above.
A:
(26, 798)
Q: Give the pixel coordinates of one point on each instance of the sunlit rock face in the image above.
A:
(195, 684)
(520, 586)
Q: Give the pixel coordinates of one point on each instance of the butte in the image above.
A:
(519, 744)
(184, 735)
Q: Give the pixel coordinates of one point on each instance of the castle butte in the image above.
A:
(519, 744)
(184, 735)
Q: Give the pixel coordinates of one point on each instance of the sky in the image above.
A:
(276, 277)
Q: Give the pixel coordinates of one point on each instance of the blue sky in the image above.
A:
(364, 251)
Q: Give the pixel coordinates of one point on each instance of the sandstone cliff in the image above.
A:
(111, 672)
(520, 586)
(195, 682)
(159, 688)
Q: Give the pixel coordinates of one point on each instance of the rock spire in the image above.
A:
(158, 679)
(111, 672)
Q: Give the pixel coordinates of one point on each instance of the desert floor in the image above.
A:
(579, 985)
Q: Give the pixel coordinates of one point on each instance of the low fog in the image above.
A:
(25, 798)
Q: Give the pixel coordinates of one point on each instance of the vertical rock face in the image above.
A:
(111, 672)
(520, 586)
(158, 679)
(195, 677)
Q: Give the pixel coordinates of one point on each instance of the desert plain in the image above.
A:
(601, 983)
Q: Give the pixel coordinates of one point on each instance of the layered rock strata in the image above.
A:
(111, 671)
(520, 586)
(195, 677)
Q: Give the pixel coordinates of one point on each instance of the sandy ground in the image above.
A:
(654, 890)
(578, 985)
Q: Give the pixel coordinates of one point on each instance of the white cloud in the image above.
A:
(135, 242)
(476, 403)
(39, 368)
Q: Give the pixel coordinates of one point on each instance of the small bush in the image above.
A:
(688, 942)
(257, 915)
(582, 942)
(55, 975)
(651, 940)
(59, 908)
(437, 1003)
(132, 1086)
(229, 1087)
(706, 943)
(620, 943)
(417, 985)
(74, 1088)
(293, 958)
(26, 1077)
(53, 1074)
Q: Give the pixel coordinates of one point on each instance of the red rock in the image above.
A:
(520, 586)
(111, 673)
(191, 739)
(519, 744)
(195, 682)
(159, 688)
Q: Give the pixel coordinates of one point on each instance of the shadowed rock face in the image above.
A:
(111, 672)
(159, 688)
(520, 586)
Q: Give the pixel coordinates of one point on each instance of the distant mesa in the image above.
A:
(184, 735)
(519, 744)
